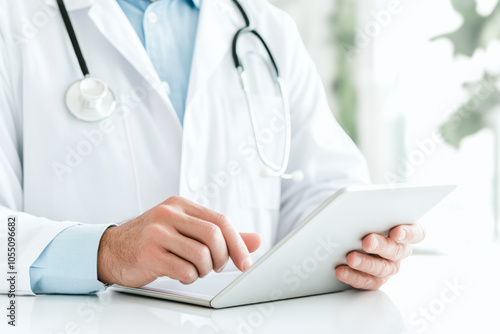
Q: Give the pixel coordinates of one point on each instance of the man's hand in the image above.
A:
(370, 272)
(178, 239)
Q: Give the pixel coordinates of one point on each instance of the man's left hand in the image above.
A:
(370, 271)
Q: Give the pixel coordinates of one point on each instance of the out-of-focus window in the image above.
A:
(407, 86)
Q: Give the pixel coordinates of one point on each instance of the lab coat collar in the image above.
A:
(196, 3)
(71, 4)
(120, 33)
(219, 21)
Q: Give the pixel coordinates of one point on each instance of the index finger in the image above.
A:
(236, 246)
(408, 234)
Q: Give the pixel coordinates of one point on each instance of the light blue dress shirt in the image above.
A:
(69, 263)
(167, 29)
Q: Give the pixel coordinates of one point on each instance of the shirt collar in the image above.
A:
(196, 3)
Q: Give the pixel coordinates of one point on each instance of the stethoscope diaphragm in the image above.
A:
(90, 99)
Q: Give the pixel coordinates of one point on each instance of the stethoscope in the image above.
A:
(90, 99)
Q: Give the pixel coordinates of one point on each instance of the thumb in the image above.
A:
(252, 241)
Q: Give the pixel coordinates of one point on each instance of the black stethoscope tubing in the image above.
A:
(249, 29)
(236, 59)
(72, 37)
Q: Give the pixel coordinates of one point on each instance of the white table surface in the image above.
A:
(417, 300)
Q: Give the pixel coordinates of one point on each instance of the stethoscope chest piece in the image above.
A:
(90, 99)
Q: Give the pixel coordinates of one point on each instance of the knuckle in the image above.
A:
(201, 254)
(175, 199)
(396, 254)
(385, 269)
(188, 275)
(154, 229)
(359, 281)
(222, 220)
(393, 269)
(162, 212)
(364, 282)
(377, 284)
(213, 233)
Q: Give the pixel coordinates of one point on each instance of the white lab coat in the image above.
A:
(57, 171)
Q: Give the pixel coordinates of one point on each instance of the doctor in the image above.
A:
(173, 154)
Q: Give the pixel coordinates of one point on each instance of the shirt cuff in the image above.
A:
(68, 265)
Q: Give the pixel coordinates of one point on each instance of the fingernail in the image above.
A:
(346, 273)
(222, 268)
(374, 244)
(402, 235)
(247, 263)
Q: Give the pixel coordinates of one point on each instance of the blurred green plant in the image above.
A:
(476, 32)
(344, 86)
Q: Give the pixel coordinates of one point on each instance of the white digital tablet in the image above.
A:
(303, 263)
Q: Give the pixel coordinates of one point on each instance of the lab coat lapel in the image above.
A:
(71, 4)
(114, 25)
(218, 23)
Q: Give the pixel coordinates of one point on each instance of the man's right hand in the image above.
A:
(179, 239)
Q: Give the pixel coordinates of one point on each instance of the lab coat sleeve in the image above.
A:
(320, 147)
(31, 234)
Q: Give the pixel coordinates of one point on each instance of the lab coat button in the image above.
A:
(152, 17)
(166, 87)
(193, 184)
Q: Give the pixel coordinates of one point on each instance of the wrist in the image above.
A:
(105, 258)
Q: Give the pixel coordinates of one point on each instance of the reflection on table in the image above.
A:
(113, 312)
